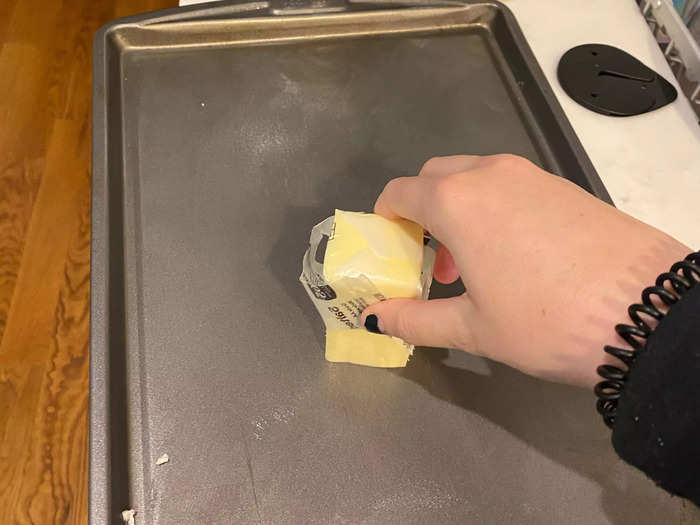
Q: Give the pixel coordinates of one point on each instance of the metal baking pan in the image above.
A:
(222, 134)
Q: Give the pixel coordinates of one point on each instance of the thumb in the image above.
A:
(442, 323)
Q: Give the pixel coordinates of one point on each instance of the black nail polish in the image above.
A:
(372, 324)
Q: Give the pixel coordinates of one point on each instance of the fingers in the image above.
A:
(442, 323)
(445, 269)
(410, 197)
(404, 198)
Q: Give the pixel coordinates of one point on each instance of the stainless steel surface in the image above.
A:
(220, 139)
(680, 47)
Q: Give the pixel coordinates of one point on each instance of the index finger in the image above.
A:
(404, 198)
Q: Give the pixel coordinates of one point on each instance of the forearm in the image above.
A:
(657, 418)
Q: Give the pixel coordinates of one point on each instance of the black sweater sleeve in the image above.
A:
(657, 427)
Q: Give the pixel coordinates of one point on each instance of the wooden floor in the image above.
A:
(45, 69)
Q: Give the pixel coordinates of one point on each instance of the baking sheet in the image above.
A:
(222, 134)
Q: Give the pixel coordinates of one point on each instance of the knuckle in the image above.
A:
(447, 190)
(462, 336)
(449, 200)
(430, 165)
(507, 163)
(507, 172)
(393, 187)
(463, 339)
(405, 327)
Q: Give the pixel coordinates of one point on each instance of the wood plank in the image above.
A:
(137, 7)
(23, 79)
(19, 398)
(46, 83)
(22, 151)
(19, 183)
(69, 77)
(46, 340)
(55, 218)
(35, 22)
(6, 9)
(45, 93)
(47, 482)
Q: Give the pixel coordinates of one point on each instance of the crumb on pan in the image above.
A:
(128, 516)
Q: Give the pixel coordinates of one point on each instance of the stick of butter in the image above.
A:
(354, 260)
(360, 347)
(389, 253)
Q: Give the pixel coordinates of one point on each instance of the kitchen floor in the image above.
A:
(45, 101)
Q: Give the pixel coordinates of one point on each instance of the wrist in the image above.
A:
(644, 316)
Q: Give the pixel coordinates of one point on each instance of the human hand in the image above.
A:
(548, 268)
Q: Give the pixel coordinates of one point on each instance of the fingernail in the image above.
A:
(372, 324)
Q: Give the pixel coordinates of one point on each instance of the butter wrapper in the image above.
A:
(341, 306)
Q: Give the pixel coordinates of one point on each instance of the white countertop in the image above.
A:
(649, 163)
